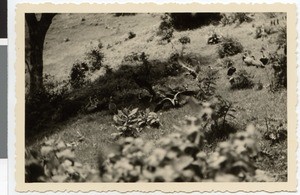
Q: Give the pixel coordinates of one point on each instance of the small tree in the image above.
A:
(37, 32)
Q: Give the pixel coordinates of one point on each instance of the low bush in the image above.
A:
(207, 83)
(242, 80)
(229, 47)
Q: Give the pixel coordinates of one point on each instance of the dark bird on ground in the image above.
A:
(112, 107)
(231, 70)
(92, 105)
(264, 58)
(176, 101)
(143, 83)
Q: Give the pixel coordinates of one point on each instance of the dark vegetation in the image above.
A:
(209, 146)
(189, 21)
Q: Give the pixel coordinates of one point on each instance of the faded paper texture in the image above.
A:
(128, 98)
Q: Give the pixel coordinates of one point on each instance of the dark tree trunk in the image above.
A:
(37, 33)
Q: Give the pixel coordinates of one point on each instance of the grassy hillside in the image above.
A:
(71, 35)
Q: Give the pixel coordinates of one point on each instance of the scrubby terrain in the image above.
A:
(108, 79)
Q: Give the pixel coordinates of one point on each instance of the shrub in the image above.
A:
(165, 29)
(94, 57)
(207, 83)
(279, 65)
(229, 47)
(78, 74)
(242, 80)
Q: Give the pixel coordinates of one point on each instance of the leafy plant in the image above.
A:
(207, 83)
(129, 123)
(276, 131)
(229, 47)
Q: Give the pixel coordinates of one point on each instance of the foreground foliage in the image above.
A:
(178, 157)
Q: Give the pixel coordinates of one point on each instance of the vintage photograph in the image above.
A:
(155, 97)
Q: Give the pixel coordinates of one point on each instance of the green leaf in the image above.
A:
(45, 150)
(61, 145)
(182, 162)
(133, 112)
(66, 154)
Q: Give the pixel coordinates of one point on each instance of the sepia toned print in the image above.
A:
(180, 98)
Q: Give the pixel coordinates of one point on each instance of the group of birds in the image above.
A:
(249, 61)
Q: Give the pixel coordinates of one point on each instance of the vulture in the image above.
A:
(263, 58)
(231, 70)
(175, 101)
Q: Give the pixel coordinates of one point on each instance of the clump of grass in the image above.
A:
(230, 46)
(242, 80)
